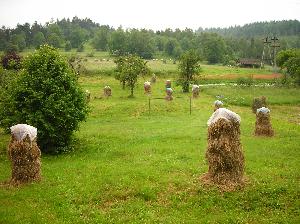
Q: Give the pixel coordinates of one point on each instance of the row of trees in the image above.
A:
(213, 45)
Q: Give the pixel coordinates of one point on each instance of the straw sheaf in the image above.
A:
(258, 103)
(263, 126)
(25, 157)
(224, 155)
(107, 92)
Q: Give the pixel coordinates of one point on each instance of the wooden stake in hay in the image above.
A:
(24, 154)
(168, 84)
(195, 91)
(224, 151)
(218, 104)
(259, 102)
(169, 96)
(147, 88)
(263, 125)
(107, 91)
(153, 78)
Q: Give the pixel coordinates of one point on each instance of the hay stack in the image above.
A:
(224, 151)
(107, 91)
(24, 154)
(169, 96)
(153, 78)
(263, 125)
(168, 84)
(218, 104)
(87, 95)
(147, 87)
(195, 91)
(259, 102)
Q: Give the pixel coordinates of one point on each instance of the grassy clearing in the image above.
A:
(169, 69)
(101, 62)
(130, 166)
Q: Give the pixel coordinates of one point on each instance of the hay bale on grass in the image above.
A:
(218, 104)
(263, 126)
(107, 91)
(168, 84)
(147, 87)
(24, 154)
(153, 78)
(169, 96)
(224, 152)
(195, 91)
(259, 102)
(87, 95)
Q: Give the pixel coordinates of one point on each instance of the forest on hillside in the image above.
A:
(214, 45)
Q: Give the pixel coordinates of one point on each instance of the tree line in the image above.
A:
(214, 45)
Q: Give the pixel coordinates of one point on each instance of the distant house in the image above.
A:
(249, 63)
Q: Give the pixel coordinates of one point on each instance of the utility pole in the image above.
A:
(267, 43)
(274, 45)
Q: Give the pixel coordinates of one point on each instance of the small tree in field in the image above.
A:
(47, 96)
(129, 68)
(189, 68)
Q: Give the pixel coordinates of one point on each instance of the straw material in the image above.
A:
(218, 104)
(25, 157)
(169, 93)
(88, 95)
(147, 88)
(168, 84)
(224, 155)
(107, 91)
(259, 102)
(195, 91)
(263, 125)
(169, 98)
(153, 78)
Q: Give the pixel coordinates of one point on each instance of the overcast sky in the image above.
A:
(150, 14)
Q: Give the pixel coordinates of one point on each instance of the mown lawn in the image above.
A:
(132, 166)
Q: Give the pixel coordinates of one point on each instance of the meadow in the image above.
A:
(129, 164)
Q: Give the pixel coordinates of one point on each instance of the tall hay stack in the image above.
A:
(224, 152)
(87, 95)
(147, 88)
(263, 126)
(24, 154)
(153, 78)
(195, 91)
(107, 91)
(218, 104)
(168, 84)
(259, 102)
(169, 92)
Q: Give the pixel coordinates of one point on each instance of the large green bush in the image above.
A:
(47, 96)
(290, 60)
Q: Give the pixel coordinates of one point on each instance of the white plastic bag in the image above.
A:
(20, 131)
(263, 110)
(223, 113)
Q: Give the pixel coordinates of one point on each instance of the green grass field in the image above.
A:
(104, 63)
(101, 62)
(130, 165)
